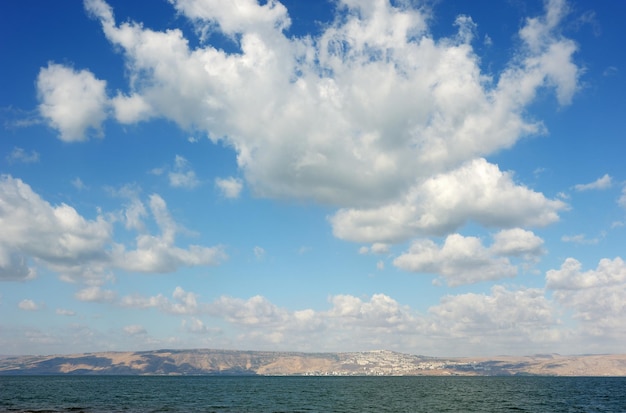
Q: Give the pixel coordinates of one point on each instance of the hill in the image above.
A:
(374, 363)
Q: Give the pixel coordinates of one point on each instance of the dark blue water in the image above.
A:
(310, 394)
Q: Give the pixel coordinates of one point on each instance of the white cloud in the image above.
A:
(363, 113)
(19, 155)
(182, 175)
(580, 239)
(478, 191)
(261, 321)
(596, 297)
(549, 55)
(130, 109)
(600, 183)
(379, 248)
(158, 253)
(95, 294)
(35, 232)
(137, 301)
(197, 326)
(503, 321)
(464, 260)
(134, 329)
(236, 16)
(570, 277)
(376, 248)
(72, 101)
(381, 311)
(374, 320)
(258, 317)
(230, 187)
(511, 320)
(28, 305)
(56, 235)
(182, 302)
(517, 242)
(460, 260)
(65, 312)
(134, 214)
(257, 311)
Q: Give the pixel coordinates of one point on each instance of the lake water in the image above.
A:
(310, 394)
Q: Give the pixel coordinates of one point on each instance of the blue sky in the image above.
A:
(442, 178)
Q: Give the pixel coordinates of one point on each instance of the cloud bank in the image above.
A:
(507, 318)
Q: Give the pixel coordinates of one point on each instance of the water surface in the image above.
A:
(310, 394)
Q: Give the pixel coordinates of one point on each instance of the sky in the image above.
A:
(434, 177)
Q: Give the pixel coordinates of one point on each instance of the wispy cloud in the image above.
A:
(78, 184)
(20, 155)
(580, 239)
(600, 183)
(375, 248)
(259, 252)
(65, 312)
(135, 329)
(28, 305)
(182, 175)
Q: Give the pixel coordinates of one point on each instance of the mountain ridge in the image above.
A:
(292, 363)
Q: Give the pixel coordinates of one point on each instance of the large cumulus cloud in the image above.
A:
(361, 116)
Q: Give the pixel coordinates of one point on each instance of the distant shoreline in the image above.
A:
(211, 362)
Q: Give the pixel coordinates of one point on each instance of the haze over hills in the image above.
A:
(372, 363)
